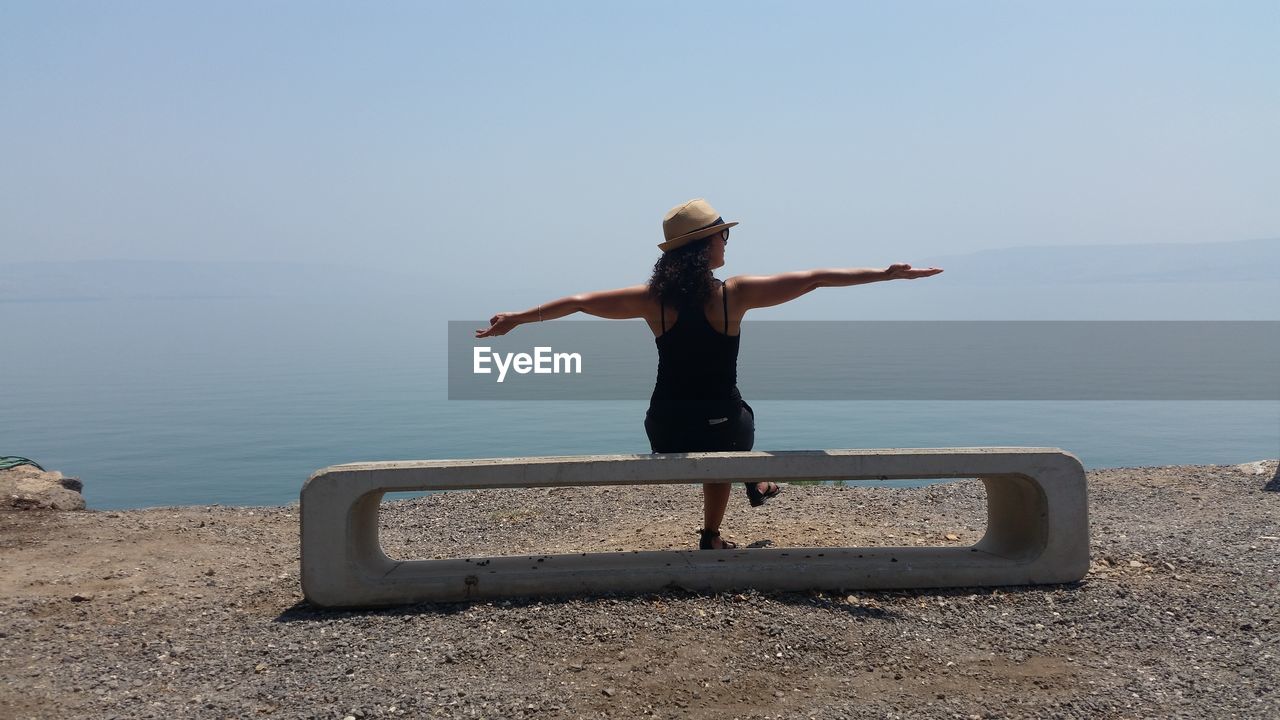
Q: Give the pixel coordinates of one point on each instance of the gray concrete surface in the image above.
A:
(1037, 527)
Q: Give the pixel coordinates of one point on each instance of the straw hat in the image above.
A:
(691, 221)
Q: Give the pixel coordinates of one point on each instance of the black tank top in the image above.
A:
(697, 367)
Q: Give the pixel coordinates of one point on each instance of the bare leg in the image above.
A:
(715, 498)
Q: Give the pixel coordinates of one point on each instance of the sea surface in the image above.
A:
(237, 401)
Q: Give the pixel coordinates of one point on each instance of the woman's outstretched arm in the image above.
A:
(620, 304)
(757, 291)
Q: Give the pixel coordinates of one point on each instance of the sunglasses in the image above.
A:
(724, 235)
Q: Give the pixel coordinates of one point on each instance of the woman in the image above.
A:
(696, 319)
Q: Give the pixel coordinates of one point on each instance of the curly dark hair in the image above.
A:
(683, 276)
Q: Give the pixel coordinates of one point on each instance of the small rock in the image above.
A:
(81, 597)
(27, 488)
(1258, 467)
(952, 536)
(609, 692)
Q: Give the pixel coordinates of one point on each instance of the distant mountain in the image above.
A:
(152, 279)
(1000, 271)
(1157, 281)
(1232, 261)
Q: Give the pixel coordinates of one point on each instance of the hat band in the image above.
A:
(713, 223)
(718, 221)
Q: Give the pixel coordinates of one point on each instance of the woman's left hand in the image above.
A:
(500, 324)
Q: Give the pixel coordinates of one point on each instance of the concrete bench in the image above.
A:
(1037, 527)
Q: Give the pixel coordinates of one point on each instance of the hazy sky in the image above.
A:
(538, 144)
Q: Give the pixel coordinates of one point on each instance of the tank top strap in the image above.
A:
(724, 296)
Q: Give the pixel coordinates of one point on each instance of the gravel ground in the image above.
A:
(196, 612)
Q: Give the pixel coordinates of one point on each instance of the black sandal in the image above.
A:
(756, 497)
(709, 535)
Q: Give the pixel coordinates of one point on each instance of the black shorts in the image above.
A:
(699, 434)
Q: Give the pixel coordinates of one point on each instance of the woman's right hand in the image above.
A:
(903, 271)
(500, 324)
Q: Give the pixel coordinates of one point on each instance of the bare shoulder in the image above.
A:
(746, 281)
(756, 291)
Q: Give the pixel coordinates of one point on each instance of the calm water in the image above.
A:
(238, 401)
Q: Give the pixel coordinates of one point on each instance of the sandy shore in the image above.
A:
(197, 612)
